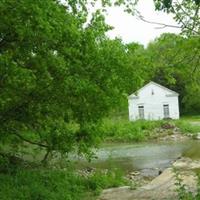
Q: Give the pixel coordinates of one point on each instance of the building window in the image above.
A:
(166, 110)
(141, 112)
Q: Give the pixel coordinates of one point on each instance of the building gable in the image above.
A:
(148, 86)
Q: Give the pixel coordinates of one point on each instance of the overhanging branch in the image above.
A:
(161, 25)
(31, 142)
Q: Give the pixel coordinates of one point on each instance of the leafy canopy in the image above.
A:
(58, 79)
(174, 66)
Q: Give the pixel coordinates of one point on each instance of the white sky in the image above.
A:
(131, 29)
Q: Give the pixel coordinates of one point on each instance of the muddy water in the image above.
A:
(148, 158)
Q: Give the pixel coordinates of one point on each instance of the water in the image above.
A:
(148, 158)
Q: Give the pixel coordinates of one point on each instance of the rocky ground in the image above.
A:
(160, 188)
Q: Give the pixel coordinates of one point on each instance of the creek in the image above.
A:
(148, 158)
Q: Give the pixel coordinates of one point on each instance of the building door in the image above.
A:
(166, 110)
(141, 112)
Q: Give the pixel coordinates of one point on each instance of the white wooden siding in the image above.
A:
(153, 97)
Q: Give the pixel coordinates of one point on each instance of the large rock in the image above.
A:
(160, 188)
(187, 164)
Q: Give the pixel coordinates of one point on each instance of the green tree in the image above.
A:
(57, 79)
(177, 68)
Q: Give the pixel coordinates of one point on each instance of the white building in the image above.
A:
(153, 102)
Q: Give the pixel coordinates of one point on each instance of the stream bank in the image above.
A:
(162, 187)
(148, 166)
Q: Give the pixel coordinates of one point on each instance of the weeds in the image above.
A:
(102, 180)
(181, 189)
(126, 131)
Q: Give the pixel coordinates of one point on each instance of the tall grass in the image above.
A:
(101, 180)
(124, 130)
(121, 130)
(48, 184)
(187, 127)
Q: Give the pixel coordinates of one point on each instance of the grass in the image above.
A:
(49, 184)
(122, 130)
(40, 184)
(187, 127)
(191, 117)
(102, 180)
(125, 131)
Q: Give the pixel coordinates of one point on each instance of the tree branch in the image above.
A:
(44, 160)
(195, 15)
(162, 25)
(185, 24)
(31, 142)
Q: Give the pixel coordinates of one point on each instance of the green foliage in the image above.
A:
(195, 118)
(46, 184)
(187, 127)
(59, 76)
(183, 193)
(185, 12)
(177, 68)
(102, 180)
(39, 184)
(124, 130)
(198, 186)
(181, 190)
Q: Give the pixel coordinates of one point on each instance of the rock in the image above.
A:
(187, 163)
(198, 136)
(89, 169)
(159, 172)
(174, 137)
(162, 187)
(176, 131)
(135, 173)
(151, 172)
(116, 193)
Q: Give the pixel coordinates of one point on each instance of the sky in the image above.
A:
(131, 29)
